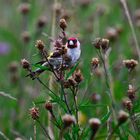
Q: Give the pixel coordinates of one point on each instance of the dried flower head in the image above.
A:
(122, 117)
(101, 43)
(24, 8)
(68, 120)
(25, 36)
(40, 45)
(25, 64)
(85, 3)
(94, 63)
(130, 64)
(34, 112)
(13, 67)
(131, 92)
(72, 82)
(94, 124)
(78, 77)
(128, 104)
(48, 106)
(57, 7)
(42, 21)
(63, 24)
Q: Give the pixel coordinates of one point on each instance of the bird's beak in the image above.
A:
(71, 42)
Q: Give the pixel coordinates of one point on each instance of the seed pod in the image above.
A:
(25, 36)
(130, 64)
(42, 21)
(78, 77)
(128, 104)
(94, 63)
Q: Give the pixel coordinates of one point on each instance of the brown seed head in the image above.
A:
(95, 63)
(42, 21)
(94, 124)
(97, 43)
(68, 120)
(105, 44)
(72, 82)
(122, 117)
(57, 7)
(78, 77)
(40, 45)
(25, 64)
(63, 24)
(48, 106)
(130, 64)
(24, 8)
(34, 112)
(65, 14)
(25, 36)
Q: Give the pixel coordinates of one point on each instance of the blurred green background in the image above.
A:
(87, 20)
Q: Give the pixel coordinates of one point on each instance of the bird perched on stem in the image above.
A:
(64, 57)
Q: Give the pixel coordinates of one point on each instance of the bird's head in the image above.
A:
(73, 43)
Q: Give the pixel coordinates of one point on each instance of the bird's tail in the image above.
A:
(33, 75)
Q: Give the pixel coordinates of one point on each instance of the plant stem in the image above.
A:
(65, 99)
(34, 130)
(45, 131)
(123, 2)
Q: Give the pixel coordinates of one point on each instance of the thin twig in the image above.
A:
(7, 95)
(44, 130)
(124, 4)
(4, 136)
(34, 130)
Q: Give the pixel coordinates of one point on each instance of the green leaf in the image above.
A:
(72, 71)
(41, 67)
(105, 117)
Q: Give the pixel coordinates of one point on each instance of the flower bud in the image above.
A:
(68, 120)
(48, 106)
(63, 24)
(34, 112)
(24, 8)
(40, 45)
(94, 124)
(122, 117)
(25, 64)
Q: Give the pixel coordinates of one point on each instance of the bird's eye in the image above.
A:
(74, 41)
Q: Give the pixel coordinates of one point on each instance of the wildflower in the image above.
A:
(63, 24)
(4, 48)
(25, 64)
(34, 112)
(130, 64)
(40, 45)
(94, 124)
(95, 63)
(24, 8)
(122, 117)
(68, 120)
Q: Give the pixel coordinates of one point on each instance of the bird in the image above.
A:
(55, 59)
